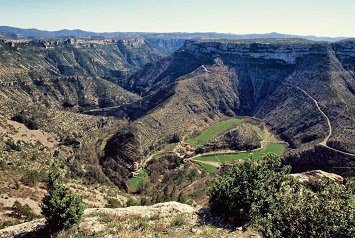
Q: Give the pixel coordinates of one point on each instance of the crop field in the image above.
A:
(213, 131)
(209, 168)
(271, 145)
(276, 148)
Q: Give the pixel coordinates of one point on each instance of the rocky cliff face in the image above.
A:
(344, 49)
(284, 50)
(77, 71)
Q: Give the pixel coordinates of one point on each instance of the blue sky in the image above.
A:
(302, 17)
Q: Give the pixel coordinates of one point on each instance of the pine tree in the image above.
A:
(61, 208)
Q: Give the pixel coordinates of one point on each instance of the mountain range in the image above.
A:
(18, 33)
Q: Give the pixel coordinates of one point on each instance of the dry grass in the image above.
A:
(129, 226)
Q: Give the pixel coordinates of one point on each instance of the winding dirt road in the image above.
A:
(326, 139)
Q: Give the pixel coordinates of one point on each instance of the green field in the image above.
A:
(259, 132)
(272, 145)
(278, 149)
(208, 168)
(134, 183)
(213, 131)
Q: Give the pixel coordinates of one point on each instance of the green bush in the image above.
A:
(11, 145)
(31, 178)
(262, 194)
(182, 198)
(233, 193)
(28, 120)
(61, 208)
(325, 212)
(71, 141)
(113, 203)
(175, 138)
(22, 211)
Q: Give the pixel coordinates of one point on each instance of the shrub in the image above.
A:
(275, 204)
(28, 120)
(11, 145)
(182, 198)
(175, 138)
(61, 208)
(326, 212)
(179, 221)
(233, 193)
(31, 178)
(22, 211)
(71, 141)
(113, 203)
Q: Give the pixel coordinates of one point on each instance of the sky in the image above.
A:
(300, 17)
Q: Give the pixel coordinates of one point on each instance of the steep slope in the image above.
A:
(295, 85)
(107, 58)
(183, 109)
(44, 87)
(75, 72)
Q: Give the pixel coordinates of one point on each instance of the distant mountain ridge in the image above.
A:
(14, 32)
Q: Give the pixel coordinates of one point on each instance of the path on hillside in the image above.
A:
(326, 139)
(324, 142)
(205, 69)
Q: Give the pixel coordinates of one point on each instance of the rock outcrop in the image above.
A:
(314, 176)
(285, 50)
(163, 220)
(156, 210)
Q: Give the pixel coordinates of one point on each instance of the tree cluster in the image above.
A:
(28, 120)
(264, 195)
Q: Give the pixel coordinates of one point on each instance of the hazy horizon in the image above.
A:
(157, 32)
(317, 18)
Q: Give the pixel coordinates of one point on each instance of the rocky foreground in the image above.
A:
(170, 219)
